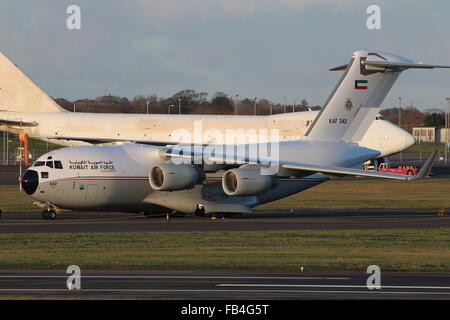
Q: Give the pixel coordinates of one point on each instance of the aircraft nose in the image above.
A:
(30, 181)
(409, 140)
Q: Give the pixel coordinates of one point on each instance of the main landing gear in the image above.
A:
(48, 214)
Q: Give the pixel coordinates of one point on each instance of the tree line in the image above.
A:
(185, 102)
(193, 102)
(410, 117)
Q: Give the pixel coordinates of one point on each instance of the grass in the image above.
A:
(335, 194)
(426, 147)
(370, 194)
(411, 250)
(13, 200)
(315, 250)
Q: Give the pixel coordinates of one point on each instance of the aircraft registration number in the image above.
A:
(337, 120)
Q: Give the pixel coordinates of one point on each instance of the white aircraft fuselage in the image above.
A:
(75, 129)
(26, 108)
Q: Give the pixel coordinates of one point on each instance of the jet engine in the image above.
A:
(245, 182)
(172, 177)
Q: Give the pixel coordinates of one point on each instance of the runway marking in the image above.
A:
(302, 220)
(218, 290)
(326, 286)
(180, 277)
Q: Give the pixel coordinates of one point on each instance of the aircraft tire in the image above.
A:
(51, 215)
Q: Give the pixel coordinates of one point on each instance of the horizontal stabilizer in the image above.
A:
(394, 65)
(401, 65)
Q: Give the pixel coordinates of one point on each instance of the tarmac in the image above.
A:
(224, 285)
(257, 221)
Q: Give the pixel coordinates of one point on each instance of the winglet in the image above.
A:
(426, 168)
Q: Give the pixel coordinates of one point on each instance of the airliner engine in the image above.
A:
(245, 181)
(172, 177)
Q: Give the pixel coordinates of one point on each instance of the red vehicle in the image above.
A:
(409, 170)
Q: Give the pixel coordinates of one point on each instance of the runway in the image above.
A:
(225, 285)
(258, 221)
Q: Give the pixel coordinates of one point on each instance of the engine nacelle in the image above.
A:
(245, 182)
(172, 177)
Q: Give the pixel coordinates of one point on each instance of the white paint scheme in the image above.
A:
(23, 101)
(363, 104)
(382, 135)
(84, 184)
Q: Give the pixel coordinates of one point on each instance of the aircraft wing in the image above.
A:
(424, 171)
(18, 123)
(111, 140)
(167, 153)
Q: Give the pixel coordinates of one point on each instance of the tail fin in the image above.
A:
(19, 94)
(355, 101)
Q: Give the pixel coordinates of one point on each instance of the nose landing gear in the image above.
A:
(50, 211)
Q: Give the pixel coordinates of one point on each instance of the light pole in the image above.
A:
(446, 129)
(7, 148)
(74, 107)
(236, 104)
(254, 105)
(400, 119)
(4, 147)
(148, 102)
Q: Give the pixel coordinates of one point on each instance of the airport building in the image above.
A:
(427, 134)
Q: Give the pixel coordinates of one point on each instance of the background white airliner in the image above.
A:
(25, 108)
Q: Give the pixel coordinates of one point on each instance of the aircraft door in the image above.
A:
(59, 195)
(91, 193)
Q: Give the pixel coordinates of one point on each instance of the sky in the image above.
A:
(254, 48)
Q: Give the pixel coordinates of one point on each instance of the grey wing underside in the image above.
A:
(167, 153)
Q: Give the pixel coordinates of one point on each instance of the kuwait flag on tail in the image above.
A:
(361, 84)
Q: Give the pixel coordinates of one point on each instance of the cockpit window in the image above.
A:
(39, 163)
(49, 164)
(58, 165)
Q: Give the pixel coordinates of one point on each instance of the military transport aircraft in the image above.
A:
(26, 109)
(136, 177)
